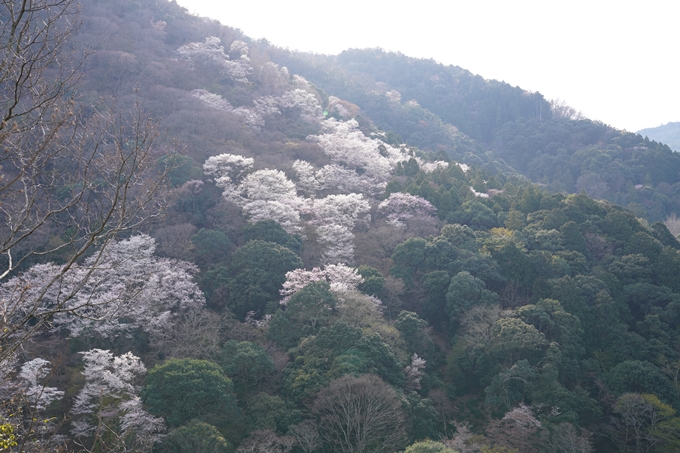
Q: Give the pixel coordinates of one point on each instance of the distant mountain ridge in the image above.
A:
(668, 134)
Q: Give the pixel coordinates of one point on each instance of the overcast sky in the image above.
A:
(616, 61)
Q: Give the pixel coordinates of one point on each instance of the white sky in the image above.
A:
(616, 61)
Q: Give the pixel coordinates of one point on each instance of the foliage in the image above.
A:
(192, 437)
(180, 390)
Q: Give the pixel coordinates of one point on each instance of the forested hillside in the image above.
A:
(668, 133)
(211, 244)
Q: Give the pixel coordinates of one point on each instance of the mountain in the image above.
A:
(215, 244)
(668, 133)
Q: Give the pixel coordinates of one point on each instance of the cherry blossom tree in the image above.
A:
(341, 278)
(108, 411)
(414, 373)
(263, 195)
(115, 292)
(212, 100)
(36, 393)
(336, 217)
(24, 397)
(399, 207)
(429, 167)
(210, 55)
(307, 182)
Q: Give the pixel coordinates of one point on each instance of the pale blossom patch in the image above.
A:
(297, 101)
(129, 288)
(307, 181)
(399, 207)
(414, 372)
(340, 277)
(37, 394)
(214, 101)
(211, 53)
(109, 401)
(478, 194)
(429, 167)
(262, 195)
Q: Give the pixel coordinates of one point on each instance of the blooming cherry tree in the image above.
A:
(429, 167)
(399, 207)
(341, 278)
(130, 288)
(126, 288)
(37, 394)
(211, 54)
(107, 409)
(212, 100)
(263, 195)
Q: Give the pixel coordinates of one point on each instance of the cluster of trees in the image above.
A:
(315, 284)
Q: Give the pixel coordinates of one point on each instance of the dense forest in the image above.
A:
(668, 134)
(211, 244)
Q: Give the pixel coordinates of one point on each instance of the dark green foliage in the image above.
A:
(414, 332)
(572, 238)
(408, 259)
(270, 257)
(246, 363)
(183, 169)
(265, 411)
(661, 233)
(306, 312)
(271, 231)
(422, 416)
(196, 436)
(374, 282)
(667, 269)
(641, 377)
(334, 352)
(464, 292)
(475, 215)
(211, 247)
(258, 270)
(643, 244)
(183, 389)
(436, 284)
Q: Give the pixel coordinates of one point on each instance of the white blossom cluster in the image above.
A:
(301, 102)
(116, 292)
(32, 375)
(414, 372)
(214, 101)
(263, 195)
(211, 53)
(335, 217)
(341, 278)
(478, 194)
(429, 167)
(110, 398)
(399, 207)
(358, 163)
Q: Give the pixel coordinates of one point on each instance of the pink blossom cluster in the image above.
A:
(399, 207)
(341, 278)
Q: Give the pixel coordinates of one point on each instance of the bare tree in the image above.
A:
(266, 441)
(360, 414)
(306, 436)
(560, 109)
(68, 184)
(672, 222)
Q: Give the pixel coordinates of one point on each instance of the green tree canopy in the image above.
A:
(184, 389)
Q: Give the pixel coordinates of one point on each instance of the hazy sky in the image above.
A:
(616, 61)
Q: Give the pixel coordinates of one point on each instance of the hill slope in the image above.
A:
(668, 134)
